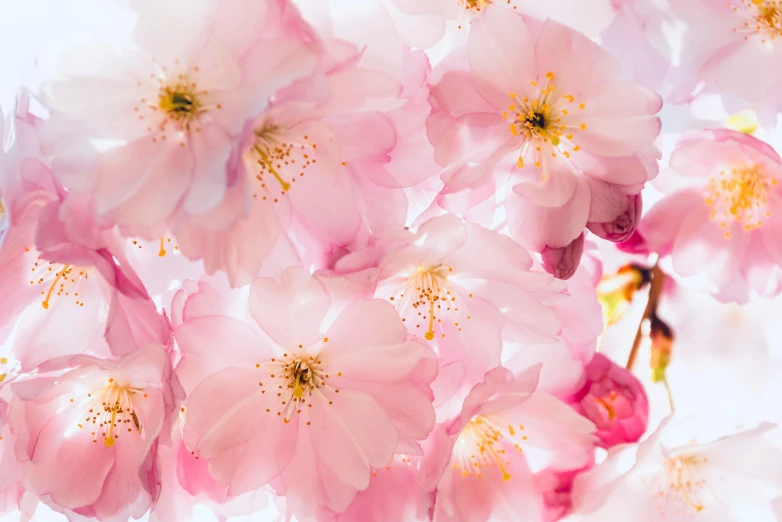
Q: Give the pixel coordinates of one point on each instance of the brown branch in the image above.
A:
(655, 290)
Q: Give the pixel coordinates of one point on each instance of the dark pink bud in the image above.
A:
(614, 400)
(621, 228)
(563, 262)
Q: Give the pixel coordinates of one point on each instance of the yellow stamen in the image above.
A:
(109, 441)
(266, 161)
(162, 251)
(64, 272)
(429, 335)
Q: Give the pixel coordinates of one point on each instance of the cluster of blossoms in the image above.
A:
(372, 262)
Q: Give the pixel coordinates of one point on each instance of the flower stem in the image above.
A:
(655, 290)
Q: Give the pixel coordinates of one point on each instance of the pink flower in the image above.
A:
(179, 103)
(88, 430)
(506, 431)
(675, 477)
(313, 404)
(734, 44)
(564, 359)
(468, 289)
(590, 16)
(548, 100)
(65, 281)
(724, 211)
(314, 167)
(614, 400)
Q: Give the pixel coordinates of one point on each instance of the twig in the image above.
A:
(655, 289)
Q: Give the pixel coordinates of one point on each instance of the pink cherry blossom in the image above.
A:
(734, 44)
(549, 101)
(468, 288)
(614, 400)
(87, 430)
(179, 103)
(323, 166)
(589, 17)
(506, 430)
(675, 477)
(65, 280)
(724, 210)
(564, 359)
(319, 404)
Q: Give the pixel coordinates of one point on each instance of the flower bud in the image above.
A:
(614, 400)
(563, 262)
(621, 228)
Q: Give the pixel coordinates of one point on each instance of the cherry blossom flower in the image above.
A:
(429, 18)
(469, 288)
(724, 209)
(323, 166)
(88, 428)
(178, 102)
(614, 400)
(548, 100)
(319, 405)
(65, 280)
(506, 430)
(564, 359)
(677, 478)
(736, 45)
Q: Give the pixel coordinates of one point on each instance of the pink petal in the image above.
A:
(199, 336)
(367, 342)
(580, 66)
(501, 56)
(537, 226)
(290, 313)
(351, 435)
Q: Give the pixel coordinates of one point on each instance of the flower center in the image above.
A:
(474, 5)
(545, 122)
(740, 194)
(57, 280)
(761, 17)
(277, 155)
(680, 476)
(180, 102)
(177, 105)
(482, 444)
(110, 410)
(425, 296)
(294, 379)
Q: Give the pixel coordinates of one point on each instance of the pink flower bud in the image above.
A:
(563, 262)
(621, 228)
(614, 400)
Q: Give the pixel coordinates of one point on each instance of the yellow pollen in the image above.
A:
(162, 251)
(3, 360)
(482, 444)
(279, 154)
(740, 193)
(761, 18)
(181, 103)
(111, 410)
(543, 121)
(680, 476)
